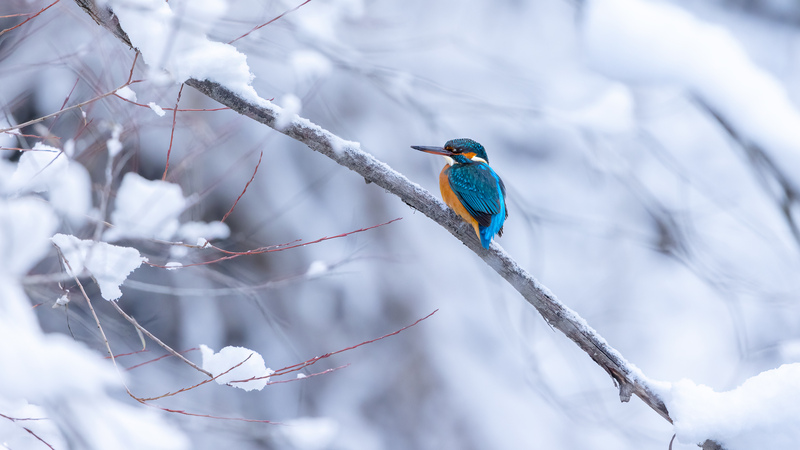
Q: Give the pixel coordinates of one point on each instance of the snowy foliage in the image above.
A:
(758, 414)
(108, 264)
(234, 365)
(146, 209)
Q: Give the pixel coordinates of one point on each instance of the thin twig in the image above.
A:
(158, 341)
(79, 105)
(15, 419)
(172, 133)
(255, 171)
(304, 364)
(258, 27)
(182, 390)
(272, 248)
(29, 18)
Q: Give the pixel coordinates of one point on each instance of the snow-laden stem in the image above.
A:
(349, 155)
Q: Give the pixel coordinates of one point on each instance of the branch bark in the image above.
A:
(626, 377)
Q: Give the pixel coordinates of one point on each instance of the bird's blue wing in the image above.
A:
(479, 189)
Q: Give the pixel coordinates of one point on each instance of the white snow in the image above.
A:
(611, 111)
(145, 209)
(172, 265)
(114, 145)
(319, 23)
(127, 93)
(47, 169)
(69, 148)
(310, 433)
(316, 269)
(178, 43)
(7, 138)
(655, 42)
(60, 374)
(339, 145)
(228, 357)
(156, 109)
(37, 168)
(192, 231)
(291, 106)
(61, 301)
(109, 264)
(55, 377)
(26, 224)
(761, 413)
(310, 65)
(531, 104)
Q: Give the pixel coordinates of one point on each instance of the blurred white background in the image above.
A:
(674, 237)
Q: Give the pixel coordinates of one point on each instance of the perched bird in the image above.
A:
(471, 187)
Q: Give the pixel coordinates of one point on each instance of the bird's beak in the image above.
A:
(434, 150)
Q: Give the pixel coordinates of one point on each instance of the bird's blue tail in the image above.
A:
(487, 233)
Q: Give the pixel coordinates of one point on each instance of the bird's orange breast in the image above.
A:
(452, 200)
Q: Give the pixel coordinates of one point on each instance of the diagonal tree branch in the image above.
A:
(556, 313)
(348, 154)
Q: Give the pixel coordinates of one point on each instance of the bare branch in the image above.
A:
(105, 18)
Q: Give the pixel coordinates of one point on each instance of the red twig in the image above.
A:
(284, 371)
(37, 136)
(304, 364)
(154, 360)
(270, 249)
(180, 411)
(53, 123)
(79, 105)
(28, 19)
(258, 27)
(172, 133)
(208, 380)
(127, 354)
(307, 376)
(14, 419)
(133, 66)
(245, 189)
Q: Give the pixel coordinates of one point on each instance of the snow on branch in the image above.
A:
(349, 154)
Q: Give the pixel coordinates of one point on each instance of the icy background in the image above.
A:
(651, 152)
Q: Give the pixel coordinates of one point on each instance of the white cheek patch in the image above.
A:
(479, 159)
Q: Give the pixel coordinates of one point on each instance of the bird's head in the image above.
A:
(457, 149)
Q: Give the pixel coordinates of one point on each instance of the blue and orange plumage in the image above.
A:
(471, 188)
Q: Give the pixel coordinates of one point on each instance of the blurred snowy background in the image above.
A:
(651, 152)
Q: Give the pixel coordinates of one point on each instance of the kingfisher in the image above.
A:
(471, 188)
